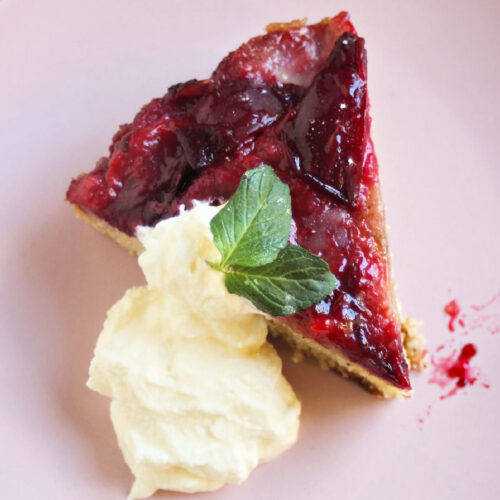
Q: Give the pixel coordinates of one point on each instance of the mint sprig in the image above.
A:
(251, 233)
(255, 223)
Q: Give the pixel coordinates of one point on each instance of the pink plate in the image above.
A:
(70, 72)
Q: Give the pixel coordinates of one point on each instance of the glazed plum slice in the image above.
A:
(327, 137)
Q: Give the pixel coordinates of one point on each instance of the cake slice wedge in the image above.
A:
(295, 99)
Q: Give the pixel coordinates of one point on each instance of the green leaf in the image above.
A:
(251, 234)
(296, 280)
(255, 223)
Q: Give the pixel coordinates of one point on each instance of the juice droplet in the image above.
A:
(452, 309)
(455, 368)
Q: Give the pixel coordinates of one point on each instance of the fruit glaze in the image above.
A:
(295, 99)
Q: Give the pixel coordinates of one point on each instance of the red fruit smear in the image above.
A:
(452, 309)
(486, 316)
(294, 99)
(483, 317)
(457, 367)
(461, 368)
(421, 420)
(447, 369)
(494, 300)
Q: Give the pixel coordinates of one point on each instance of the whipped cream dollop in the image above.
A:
(198, 398)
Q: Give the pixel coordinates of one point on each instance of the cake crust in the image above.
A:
(132, 245)
(328, 358)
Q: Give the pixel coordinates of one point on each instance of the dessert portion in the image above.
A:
(198, 398)
(295, 99)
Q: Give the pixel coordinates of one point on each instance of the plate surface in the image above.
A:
(72, 71)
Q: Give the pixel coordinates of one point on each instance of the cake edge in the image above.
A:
(412, 339)
(333, 359)
(131, 244)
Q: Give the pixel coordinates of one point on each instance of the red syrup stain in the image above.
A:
(494, 300)
(421, 420)
(452, 309)
(485, 316)
(454, 372)
(456, 368)
(479, 317)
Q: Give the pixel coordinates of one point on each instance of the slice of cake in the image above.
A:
(296, 99)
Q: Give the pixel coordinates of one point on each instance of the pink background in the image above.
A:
(70, 72)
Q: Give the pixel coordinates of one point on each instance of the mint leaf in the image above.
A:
(296, 280)
(251, 234)
(255, 223)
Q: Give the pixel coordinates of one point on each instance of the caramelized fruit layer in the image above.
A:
(294, 99)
